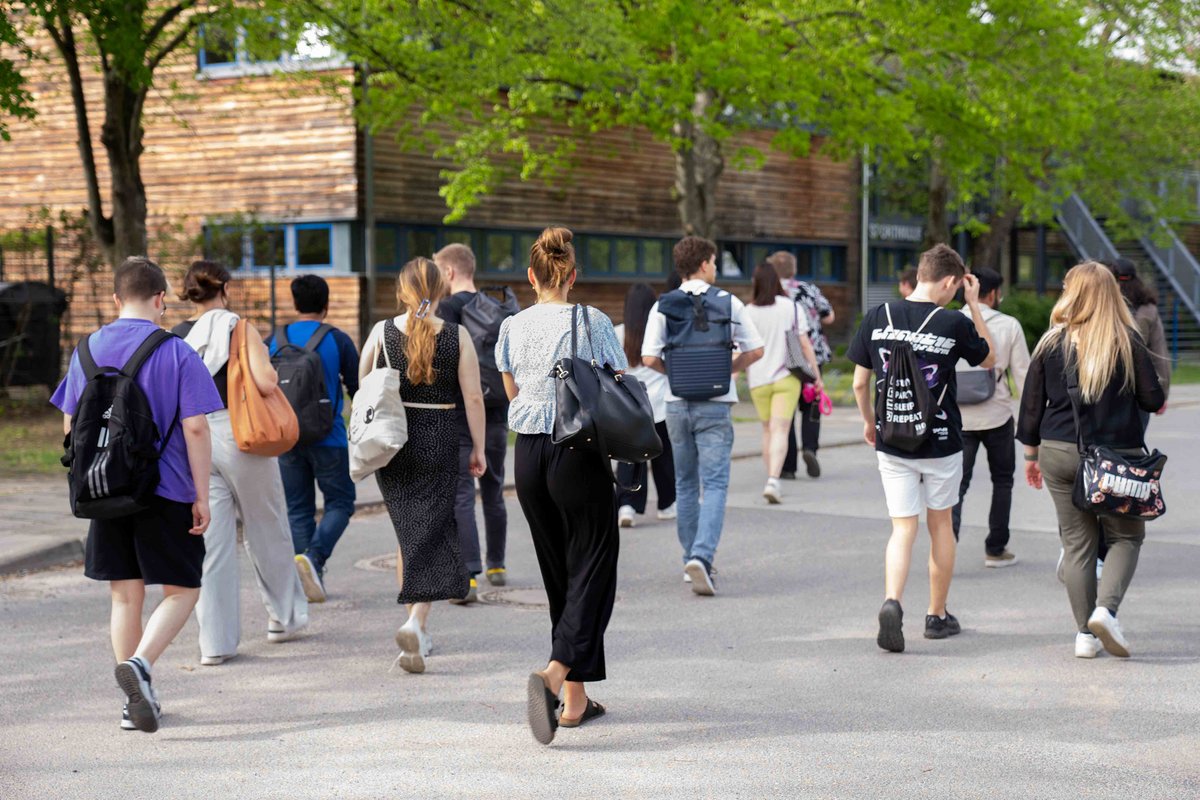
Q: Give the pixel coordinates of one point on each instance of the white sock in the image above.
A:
(143, 663)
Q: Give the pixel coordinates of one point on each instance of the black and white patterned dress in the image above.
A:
(419, 484)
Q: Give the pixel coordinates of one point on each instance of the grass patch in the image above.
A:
(1186, 373)
(32, 434)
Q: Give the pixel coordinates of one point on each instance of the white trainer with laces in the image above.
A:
(415, 646)
(668, 513)
(1087, 646)
(625, 515)
(1106, 628)
(771, 492)
(701, 579)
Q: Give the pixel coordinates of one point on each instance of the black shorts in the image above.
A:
(152, 546)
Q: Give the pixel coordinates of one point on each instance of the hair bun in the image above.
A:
(556, 242)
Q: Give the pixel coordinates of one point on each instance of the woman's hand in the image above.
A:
(478, 464)
(869, 433)
(1033, 474)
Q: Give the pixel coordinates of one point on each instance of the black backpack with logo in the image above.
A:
(113, 449)
(302, 380)
(699, 346)
(904, 406)
(482, 316)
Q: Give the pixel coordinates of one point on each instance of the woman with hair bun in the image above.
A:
(437, 363)
(566, 494)
(242, 486)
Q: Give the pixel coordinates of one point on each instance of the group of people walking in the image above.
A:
(471, 368)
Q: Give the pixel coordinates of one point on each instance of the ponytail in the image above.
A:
(419, 286)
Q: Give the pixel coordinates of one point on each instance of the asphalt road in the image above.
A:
(773, 689)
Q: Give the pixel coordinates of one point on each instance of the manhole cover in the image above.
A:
(516, 597)
(378, 563)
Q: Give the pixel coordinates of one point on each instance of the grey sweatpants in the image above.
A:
(248, 487)
(1081, 533)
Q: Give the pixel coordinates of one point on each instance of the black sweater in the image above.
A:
(1112, 420)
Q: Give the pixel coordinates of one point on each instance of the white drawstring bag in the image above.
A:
(378, 425)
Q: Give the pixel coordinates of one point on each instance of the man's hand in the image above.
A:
(971, 289)
(869, 433)
(201, 516)
(1033, 474)
(478, 464)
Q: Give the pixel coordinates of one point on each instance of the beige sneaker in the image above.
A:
(310, 579)
(1005, 559)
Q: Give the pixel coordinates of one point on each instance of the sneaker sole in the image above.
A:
(772, 499)
(312, 586)
(701, 584)
(497, 580)
(626, 523)
(1106, 638)
(812, 465)
(667, 517)
(891, 631)
(1086, 653)
(538, 711)
(141, 708)
(411, 659)
(993, 564)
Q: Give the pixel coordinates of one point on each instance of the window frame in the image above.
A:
(244, 66)
(290, 265)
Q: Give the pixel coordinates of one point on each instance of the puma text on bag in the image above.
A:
(904, 406)
(482, 316)
(302, 380)
(263, 425)
(699, 346)
(114, 446)
(378, 424)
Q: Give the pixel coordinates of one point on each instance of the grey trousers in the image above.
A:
(248, 487)
(1081, 535)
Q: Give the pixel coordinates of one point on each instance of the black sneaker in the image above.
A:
(788, 474)
(941, 627)
(891, 627)
(811, 464)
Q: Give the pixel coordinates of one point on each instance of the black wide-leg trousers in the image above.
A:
(567, 498)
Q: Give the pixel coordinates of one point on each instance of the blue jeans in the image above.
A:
(701, 434)
(330, 468)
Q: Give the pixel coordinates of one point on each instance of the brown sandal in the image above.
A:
(591, 711)
(541, 705)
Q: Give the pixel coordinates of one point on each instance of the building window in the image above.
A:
(820, 263)
(268, 248)
(888, 262)
(294, 247)
(314, 246)
(225, 52)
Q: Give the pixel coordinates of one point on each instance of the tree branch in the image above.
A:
(178, 39)
(167, 17)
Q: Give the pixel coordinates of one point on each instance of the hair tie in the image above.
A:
(423, 309)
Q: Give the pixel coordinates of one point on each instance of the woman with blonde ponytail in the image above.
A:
(1092, 340)
(437, 365)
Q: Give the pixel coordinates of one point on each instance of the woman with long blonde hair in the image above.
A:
(437, 364)
(1092, 341)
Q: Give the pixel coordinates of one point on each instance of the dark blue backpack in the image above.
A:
(699, 347)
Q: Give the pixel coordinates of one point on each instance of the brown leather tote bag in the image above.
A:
(262, 425)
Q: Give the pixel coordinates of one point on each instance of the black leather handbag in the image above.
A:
(599, 409)
(1110, 483)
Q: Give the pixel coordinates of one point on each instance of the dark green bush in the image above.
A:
(1032, 311)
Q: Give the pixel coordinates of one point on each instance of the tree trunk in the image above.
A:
(989, 246)
(937, 223)
(122, 137)
(698, 168)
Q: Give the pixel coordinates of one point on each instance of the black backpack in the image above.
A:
(302, 379)
(699, 346)
(904, 406)
(482, 316)
(113, 449)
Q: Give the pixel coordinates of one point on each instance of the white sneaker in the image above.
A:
(215, 661)
(415, 645)
(688, 578)
(771, 492)
(310, 579)
(1108, 631)
(668, 512)
(625, 515)
(702, 582)
(276, 632)
(1087, 646)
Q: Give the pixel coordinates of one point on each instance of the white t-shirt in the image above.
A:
(745, 335)
(773, 322)
(654, 381)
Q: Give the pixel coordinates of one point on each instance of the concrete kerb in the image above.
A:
(42, 557)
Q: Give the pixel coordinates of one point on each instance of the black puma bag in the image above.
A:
(113, 449)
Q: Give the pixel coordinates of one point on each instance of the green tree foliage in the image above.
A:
(15, 99)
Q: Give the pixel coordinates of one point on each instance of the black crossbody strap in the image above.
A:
(135, 362)
(1076, 398)
(574, 331)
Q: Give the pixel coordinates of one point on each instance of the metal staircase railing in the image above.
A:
(1085, 234)
(1177, 265)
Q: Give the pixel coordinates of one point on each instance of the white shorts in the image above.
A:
(914, 484)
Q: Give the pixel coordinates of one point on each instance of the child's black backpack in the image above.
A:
(904, 406)
(302, 380)
(113, 449)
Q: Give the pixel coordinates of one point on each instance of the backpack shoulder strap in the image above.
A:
(86, 362)
(135, 362)
(926, 322)
(281, 337)
(314, 341)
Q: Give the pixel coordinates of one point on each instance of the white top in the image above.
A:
(654, 381)
(745, 335)
(1012, 355)
(773, 323)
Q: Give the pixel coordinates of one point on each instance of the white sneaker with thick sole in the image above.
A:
(276, 632)
(702, 583)
(415, 645)
(310, 579)
(668, 513)
(214, 661)
(1087, 646)
(1106, 628)
(140, 700)
(771, 492)
(625, 515)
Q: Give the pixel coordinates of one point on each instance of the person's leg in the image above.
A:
(1002, 463)
(784, 397)
(491, 492)
(295, 469)
(898, 556)
(1125, 537)
(810, 425)
(331, 467)
(531, 463)
(663, 468)
(971, 440)
(777, 444)
(167, 621)
(128, 598)
(942, 545)
(791, 459)
(219, 609)
(1080, 530)
(464, 505)
(632, 490)
(902, 491)
(714, 442)
(761, 396)
(687, 475)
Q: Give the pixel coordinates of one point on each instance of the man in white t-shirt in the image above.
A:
(701, 431)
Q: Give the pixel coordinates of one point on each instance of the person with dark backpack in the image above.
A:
(909, 348)
(481, 315)
(317, 365)
(139, 454)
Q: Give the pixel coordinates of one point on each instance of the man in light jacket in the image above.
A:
(990, 421)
